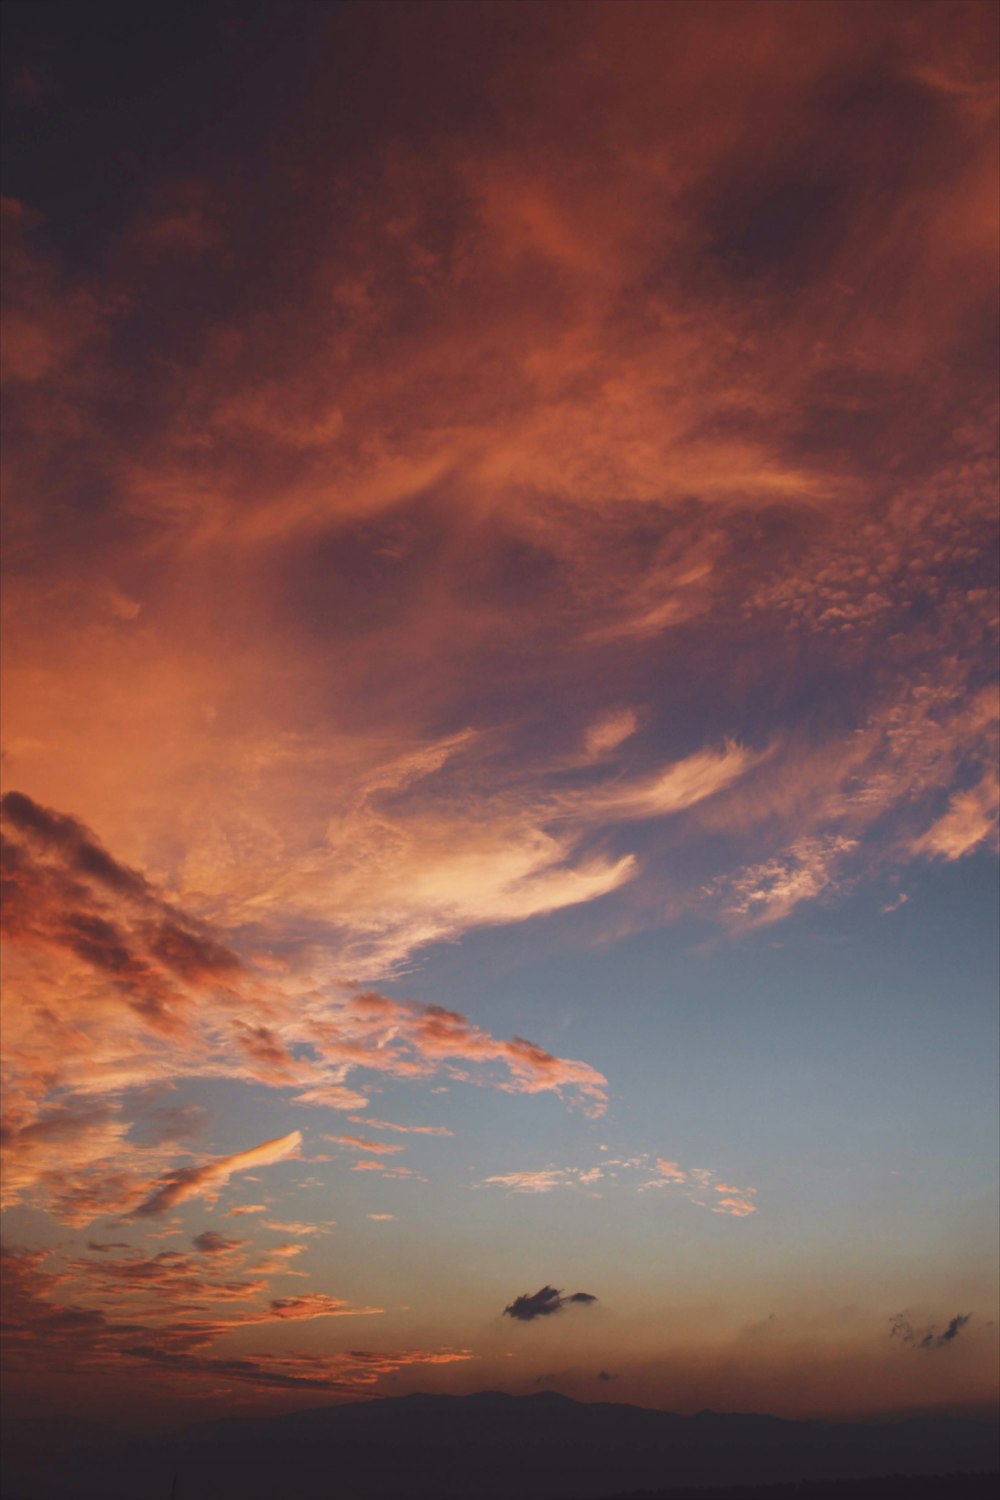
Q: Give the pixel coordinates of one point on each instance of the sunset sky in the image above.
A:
(500, 713)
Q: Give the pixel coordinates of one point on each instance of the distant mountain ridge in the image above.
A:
(487, 1446)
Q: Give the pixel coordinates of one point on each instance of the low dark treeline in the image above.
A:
(889, 1487)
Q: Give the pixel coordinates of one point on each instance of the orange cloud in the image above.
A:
(46, 1334)
(405, 1129)
(610, 731)
(971, 820)
(670, 1171)
(738, 1207)
(356, 1143)
(204, 1181)
(686, 436)
(138, 992)
(529, 1182)
(329, 627)
(293, 1226)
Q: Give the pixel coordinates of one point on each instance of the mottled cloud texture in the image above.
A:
(112, 988)
(612, 1175)
(627, 395)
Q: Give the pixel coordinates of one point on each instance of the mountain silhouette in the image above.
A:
(489, 1446)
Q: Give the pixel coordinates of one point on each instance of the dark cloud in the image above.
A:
(211, 1243)
(60, 1125)
(62, 890)
(182, 1122)
(57, 833)
(936, 1340)
(541, 1303)
(928, 1338)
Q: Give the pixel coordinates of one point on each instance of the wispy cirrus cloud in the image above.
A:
(531, 1182)
(969, 823)
(137, 993)
(373, 1124)
(673, 462)
(612, 1175)
(43, 1332)
(294, 1226)
(204, 1181)
(358, 1143)
(564, 413)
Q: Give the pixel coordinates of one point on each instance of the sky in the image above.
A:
(500, 709)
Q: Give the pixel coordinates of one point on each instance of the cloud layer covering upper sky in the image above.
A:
(500, 715)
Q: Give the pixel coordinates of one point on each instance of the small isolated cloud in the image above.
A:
(529, 1182)
(696, 1184)
(605, 1375)
(381, 1218)
(609, 732)
(385, 1170)
(333, 1096)
(670, 1171)
(211, 1243)
(738, 1207)
(543, 1303)
(292, 1226)
(970, 821)
(404, 1129)
(767, 892)
(926, 1338)
(546, 1179)
(358, 1143)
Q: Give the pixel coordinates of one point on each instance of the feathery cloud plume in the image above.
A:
(203, 1182)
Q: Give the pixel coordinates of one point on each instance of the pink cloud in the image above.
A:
(971, 820)
(138, 993)
(405, 1129)
(738, 1207)
(204, 1181)
(529, 1182)
(670, 1171)
(357, 1143)
(47, 1333)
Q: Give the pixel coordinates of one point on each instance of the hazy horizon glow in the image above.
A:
(500, 713)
